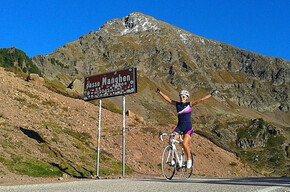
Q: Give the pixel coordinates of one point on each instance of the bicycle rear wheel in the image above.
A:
(168, 163)
(187, 172)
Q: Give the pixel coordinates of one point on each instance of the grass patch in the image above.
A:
(79, 145)
(151, 130)
(233, 164)
(46, 149)
(51, 125)
(275, 141)
(160, 114)
(65, 109)
(30, 167)
(37, 169)
(264, 160)
(159, 166)
(2, 120)
(139, 119)
(84, 137)
(57, 62)
(145, 84)
(94, 118)
(73, 170)
(129, 42)
(29, 94)
(55, 86)
(33, 106)
(115, 168)
(21, 100)
(111, 107)
(252, 130)
(110, 167)
(58, 87)
(49, 103)
(107, 104)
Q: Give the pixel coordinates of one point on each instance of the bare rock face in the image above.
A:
(256, 135)
(179, 58)
(34, 78)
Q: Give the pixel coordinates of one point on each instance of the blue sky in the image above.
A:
(39, 27)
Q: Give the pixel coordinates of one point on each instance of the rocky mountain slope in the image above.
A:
(170, 55)
(251, 115)
(45, 134)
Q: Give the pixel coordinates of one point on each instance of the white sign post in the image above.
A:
(117, 83)
(124, 144)
(99, 139)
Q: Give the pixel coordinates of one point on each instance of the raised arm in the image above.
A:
(165, 97)
(192, 103)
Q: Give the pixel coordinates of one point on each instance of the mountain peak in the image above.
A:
(136, 22)
(133, 23)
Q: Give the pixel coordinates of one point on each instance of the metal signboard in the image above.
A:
(110, 84)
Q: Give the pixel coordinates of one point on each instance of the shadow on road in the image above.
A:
(252, 181)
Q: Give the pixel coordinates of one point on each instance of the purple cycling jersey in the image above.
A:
(184, 112)
(184, 125)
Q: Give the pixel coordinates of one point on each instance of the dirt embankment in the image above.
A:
(43, 128)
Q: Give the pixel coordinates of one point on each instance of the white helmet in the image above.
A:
(184, 92)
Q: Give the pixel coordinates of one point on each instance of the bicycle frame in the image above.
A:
(170, 158)
(174, 150)
(175, 153)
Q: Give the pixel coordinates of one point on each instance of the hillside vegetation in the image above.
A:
(251, 114)
(47, 135)
(17, 60)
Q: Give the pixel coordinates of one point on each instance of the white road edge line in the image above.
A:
(268, 189)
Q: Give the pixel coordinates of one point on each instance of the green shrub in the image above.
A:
(275, 141)
(17, 59)
(57, 62)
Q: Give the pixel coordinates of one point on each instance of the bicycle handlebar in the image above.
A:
(170, 134)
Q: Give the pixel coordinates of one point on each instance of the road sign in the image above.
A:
(110, 84)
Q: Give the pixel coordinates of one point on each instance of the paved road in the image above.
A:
(159, 184)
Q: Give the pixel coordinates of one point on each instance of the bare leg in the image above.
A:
(185, 142)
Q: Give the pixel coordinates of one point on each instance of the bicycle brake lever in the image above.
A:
(160, 136)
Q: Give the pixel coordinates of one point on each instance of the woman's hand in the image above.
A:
(214, 93)
(157, 90)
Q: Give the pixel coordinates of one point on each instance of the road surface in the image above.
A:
(160, 184)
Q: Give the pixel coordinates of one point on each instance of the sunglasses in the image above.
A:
(183, 96)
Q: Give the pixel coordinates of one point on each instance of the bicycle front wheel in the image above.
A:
(168, 163)
(187, 172)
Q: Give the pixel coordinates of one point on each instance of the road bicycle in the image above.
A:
(171, 162)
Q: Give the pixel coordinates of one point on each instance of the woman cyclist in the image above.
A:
(184, 125)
